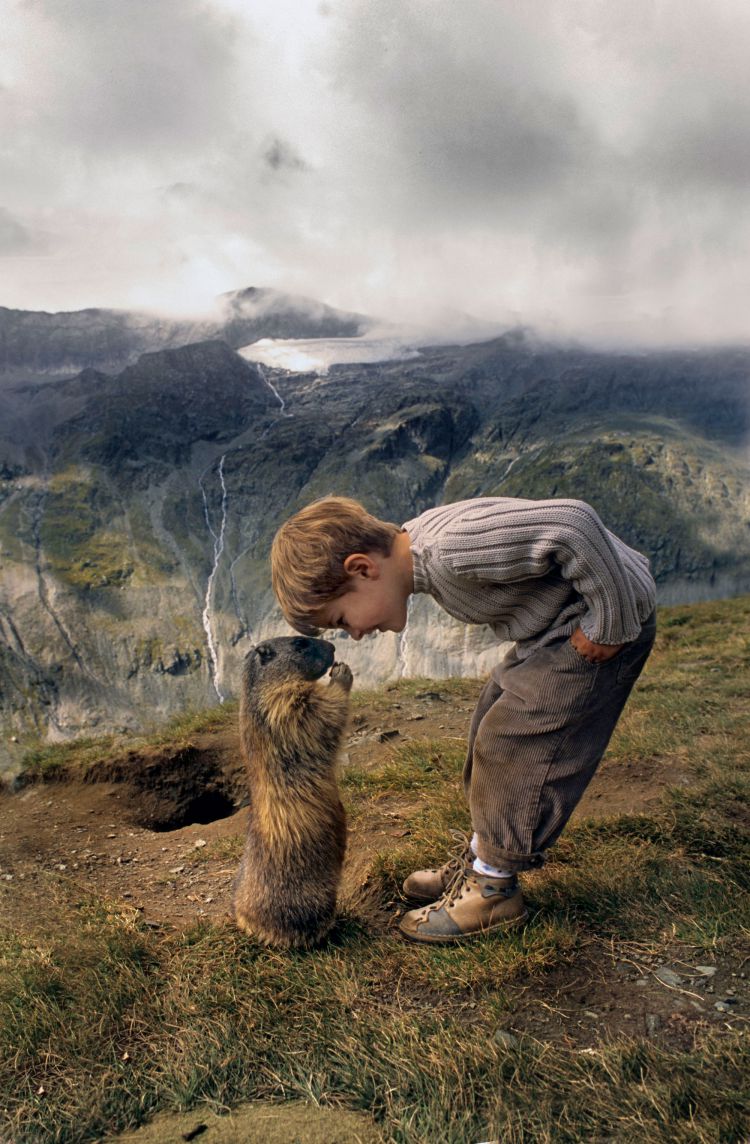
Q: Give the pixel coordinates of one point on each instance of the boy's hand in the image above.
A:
(593, 652)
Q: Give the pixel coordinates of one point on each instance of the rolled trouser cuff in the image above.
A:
(509, 860)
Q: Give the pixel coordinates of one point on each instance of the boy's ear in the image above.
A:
(360, 564)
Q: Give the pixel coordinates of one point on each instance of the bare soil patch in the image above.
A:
(162, 831)
(259, 1123)
(161, 835)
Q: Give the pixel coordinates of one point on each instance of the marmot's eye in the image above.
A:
(264, 653)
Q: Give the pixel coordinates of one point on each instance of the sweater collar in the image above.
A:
(419, 552)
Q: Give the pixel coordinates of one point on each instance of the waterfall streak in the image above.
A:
(274, 391)
(403, 642)
(510, 466)
(218, 550)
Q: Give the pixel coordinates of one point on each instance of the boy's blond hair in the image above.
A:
(309, 550)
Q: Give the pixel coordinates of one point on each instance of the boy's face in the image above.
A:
(375, 600)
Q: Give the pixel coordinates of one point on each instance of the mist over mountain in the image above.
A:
(34, 343)
(137, 505)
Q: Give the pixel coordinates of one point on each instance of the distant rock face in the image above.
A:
(36, 344)
(137, 509)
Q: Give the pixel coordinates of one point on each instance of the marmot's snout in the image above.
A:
(292, 655)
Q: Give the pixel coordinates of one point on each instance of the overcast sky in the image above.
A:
(582, 166)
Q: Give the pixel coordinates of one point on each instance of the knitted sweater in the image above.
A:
(533, 570)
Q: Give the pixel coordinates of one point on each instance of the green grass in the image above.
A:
(56, 761)
(114, 1021)
(92, 541)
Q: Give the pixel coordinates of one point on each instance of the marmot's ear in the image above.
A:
(264, 653)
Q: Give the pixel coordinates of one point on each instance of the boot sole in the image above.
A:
(452, 938)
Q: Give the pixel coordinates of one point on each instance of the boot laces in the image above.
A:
(461, 852)
(453, 892)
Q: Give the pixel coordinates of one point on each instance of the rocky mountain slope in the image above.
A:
(137, 508)
(37, 344)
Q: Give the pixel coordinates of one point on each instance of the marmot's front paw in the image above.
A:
(342, 673)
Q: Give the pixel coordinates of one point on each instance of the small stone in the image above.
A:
(177, 869)
(706, 970)
(642, 981)
(199, 843)
(505, 1039)
(721, 1007)
(384, 736)
(652, 1024)
(111, 836)
(590, 1013)
(667, 976)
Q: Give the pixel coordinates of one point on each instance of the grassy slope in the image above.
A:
(103, 1021)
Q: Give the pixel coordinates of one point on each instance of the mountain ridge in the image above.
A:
(137, 509)
(39, 343)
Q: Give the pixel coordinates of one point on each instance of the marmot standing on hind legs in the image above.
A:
(291, 727)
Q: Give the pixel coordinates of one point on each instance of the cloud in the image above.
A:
(279, 156)
(14, 237)
(107, 77)
(582, 167)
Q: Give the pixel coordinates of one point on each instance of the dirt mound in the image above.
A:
(168, 789)
(260, 1124)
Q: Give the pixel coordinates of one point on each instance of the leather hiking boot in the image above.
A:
(429, 885)
(475, 904)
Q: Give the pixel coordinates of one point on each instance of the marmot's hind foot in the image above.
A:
(279, 939)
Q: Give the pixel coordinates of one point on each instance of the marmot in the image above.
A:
(290, 733)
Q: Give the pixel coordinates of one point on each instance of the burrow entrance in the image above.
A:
(204, 808)
(172, 789)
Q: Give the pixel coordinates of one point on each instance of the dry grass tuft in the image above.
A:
(103, 1021)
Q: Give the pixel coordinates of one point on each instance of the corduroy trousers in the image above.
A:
(539, 731)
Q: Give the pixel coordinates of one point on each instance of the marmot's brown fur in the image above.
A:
(291, 727)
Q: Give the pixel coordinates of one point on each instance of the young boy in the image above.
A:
(547, 574)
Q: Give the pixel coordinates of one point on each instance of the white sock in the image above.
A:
(484, 867)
